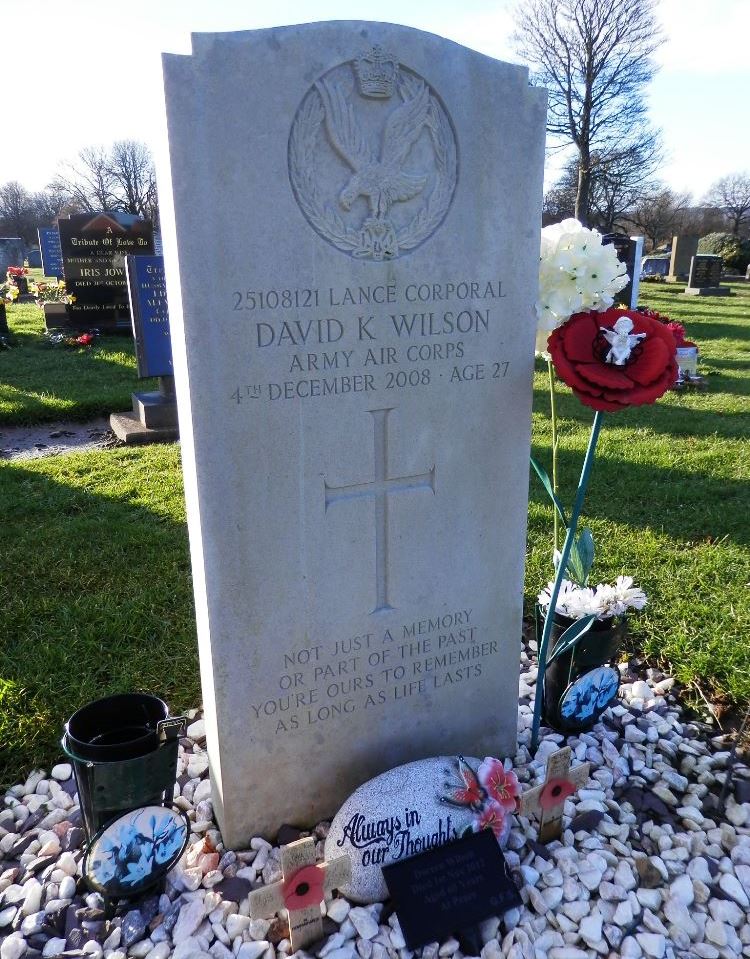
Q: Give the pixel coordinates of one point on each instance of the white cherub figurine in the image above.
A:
(621, 341)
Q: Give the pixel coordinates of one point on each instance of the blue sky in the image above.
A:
(90, 73)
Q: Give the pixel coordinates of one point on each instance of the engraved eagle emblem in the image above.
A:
(381, 180)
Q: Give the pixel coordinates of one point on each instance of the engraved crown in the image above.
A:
(376, 71)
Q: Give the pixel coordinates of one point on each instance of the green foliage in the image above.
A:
(95, 591)
(39, 385)
(95, 575)
(734, 251)
(669, 499)
(581, 558)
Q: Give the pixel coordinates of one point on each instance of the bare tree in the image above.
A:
(87, 181)
(49, 204)
(702, 220)
(132, 171)
(560, 199)
(620, 179)
(731, 195)
(594, 57)
(119, 178)
(660, 215)
(16, 210)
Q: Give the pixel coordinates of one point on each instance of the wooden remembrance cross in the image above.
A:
(548, 800)
(301, 891)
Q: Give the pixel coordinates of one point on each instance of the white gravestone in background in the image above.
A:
(351, 228)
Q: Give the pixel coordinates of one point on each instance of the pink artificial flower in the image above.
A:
(502, 786)
(493, 817)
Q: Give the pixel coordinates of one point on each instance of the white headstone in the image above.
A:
(350, 217)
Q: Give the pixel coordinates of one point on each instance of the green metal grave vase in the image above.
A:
(567, 675)
(124, 754)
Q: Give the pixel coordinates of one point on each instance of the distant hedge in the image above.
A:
(734, 251)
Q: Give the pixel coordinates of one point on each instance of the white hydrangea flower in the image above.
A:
(576, 272)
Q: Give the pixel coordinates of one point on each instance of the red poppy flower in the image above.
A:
(678, 332)
(580, 349)
(492, 817)
(555, 792)
(502, 787)
(304, 888)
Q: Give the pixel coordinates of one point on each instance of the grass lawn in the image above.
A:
(95, 575)
(39, 383)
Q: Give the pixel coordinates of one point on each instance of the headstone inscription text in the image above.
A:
(357, 399)
(94, 246)
(451, 887)
(147, 294)
(49, 244)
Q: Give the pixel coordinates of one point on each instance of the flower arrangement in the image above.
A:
(15, 271)
(612, 359)
(47, 292)
(676, 329)
(491, 793)
(576, 272)
(8, 292)
(64, 338)
(604, 601)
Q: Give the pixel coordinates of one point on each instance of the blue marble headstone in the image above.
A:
(49, 244)
(148, 310)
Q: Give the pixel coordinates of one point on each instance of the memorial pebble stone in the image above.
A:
(395, 816)
(355, 404)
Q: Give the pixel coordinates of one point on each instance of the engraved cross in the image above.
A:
(380, 489)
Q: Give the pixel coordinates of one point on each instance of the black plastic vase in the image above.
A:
(124, 754)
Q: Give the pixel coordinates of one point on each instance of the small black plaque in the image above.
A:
(448, 888)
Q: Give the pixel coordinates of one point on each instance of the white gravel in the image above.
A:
(647, 865)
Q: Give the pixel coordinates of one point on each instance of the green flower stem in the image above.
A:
(588, 462)
(553, 418)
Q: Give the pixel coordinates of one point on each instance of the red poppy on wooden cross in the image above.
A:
(548, 800)
(301, 891)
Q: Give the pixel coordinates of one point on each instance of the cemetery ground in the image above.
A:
(38, 386)
(95, 574)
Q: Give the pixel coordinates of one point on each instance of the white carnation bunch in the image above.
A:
(604, 601)
(576, 273)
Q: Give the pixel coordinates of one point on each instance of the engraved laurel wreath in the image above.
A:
(382, 174)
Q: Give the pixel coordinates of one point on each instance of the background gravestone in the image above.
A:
(147, 295)
(49, 244)
(354, 369)
(705, 276)
(684, 248)
(154, 415)
(34, 259)
(11, 254)
(629, 250)
(94, 246)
